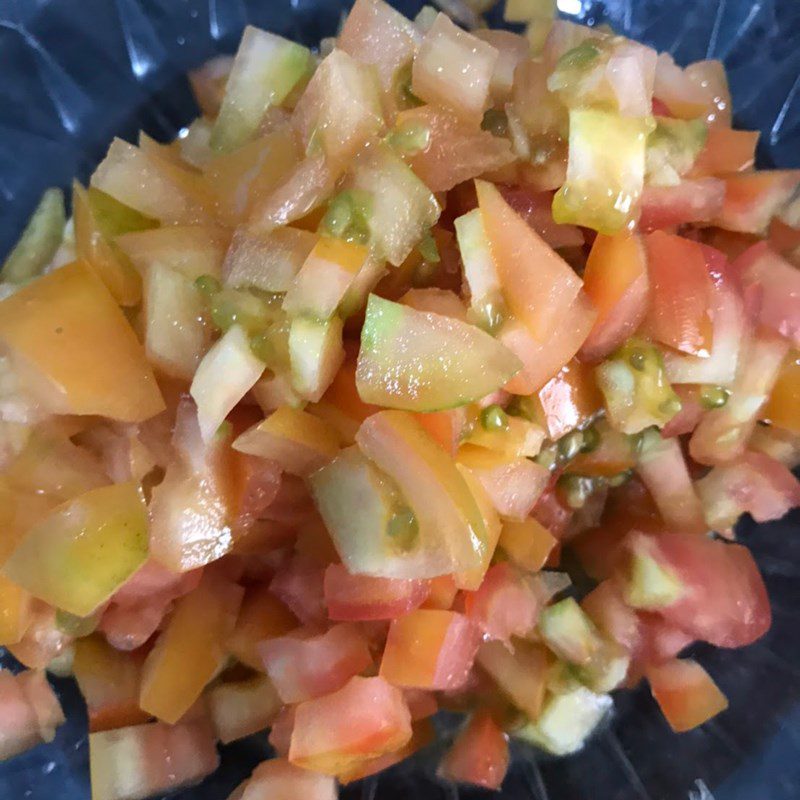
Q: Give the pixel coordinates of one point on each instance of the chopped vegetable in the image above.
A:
(426, 362)
(39, 241)
(264, 72)
(301, 412)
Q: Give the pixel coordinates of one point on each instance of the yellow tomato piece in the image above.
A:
(297, 440)
(15, 611)
(120, 278)
(472, 579)
(191, 649)
(528, 543)
(67, 328)
(78, 556)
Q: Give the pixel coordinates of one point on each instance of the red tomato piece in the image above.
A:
(755, 483)
(421, 704)
(505, 605)
(680, 293)
(367, 718)
(687, 419)
(362, 597)
(724, 600)
(617, 283)
(752, 199)
(686, 693)
(280, 735)
(777, 283)
(691, 201)
(299, 586)
(302, 668)
(455, 152)
(277, 779)
(479, 754)
(430, 649)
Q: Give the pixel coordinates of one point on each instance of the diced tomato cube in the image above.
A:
(302, 668)
(362, 597)
(430, 649)
(365, 719)
(686, 693)
(505, 605)
(479, 755)
(277, 779)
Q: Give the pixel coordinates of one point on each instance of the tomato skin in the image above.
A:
(617, 282)
(680, 294)
(479, 755)
(430, 649)
(536, 209)
(365, 719)
(686, 693)
(361, 597)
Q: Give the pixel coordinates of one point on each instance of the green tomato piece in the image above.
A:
(421, 361)
(39, 241)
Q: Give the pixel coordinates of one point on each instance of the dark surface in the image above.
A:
(74, 73)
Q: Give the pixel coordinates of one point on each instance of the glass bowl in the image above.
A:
(75, 73)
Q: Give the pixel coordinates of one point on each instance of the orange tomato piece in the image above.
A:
(726, 150)
(528, 543)
(191, 648)
(68, 330)
(109, 682)
(365, 719)
(680, 293)
(617, 283)
(261, 617)
(686, 693)
(784, 402)
(429, 649)
(569, 399)
(15, 611)
(479, 755)
(118, 275)
(538, 285)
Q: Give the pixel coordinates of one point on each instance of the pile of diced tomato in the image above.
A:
(302, 413)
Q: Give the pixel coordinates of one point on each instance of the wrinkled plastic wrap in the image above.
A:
(74, 73)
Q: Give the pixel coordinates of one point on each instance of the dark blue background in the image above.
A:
(74, 73)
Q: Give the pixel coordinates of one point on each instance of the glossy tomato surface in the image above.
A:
(75, 74)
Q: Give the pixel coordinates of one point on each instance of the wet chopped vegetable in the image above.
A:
(431, 371)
